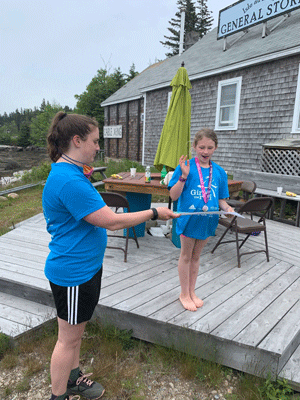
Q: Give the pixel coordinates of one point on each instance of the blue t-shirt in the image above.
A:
(191, 200)
(77, 247)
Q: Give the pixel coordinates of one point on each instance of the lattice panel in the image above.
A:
(281, 161)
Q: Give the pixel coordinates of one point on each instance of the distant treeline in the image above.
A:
(29, 127)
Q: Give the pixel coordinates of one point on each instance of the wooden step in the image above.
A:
(18, 315)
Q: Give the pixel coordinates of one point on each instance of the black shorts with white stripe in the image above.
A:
(76, 304)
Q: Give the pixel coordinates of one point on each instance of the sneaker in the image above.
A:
(86, 387)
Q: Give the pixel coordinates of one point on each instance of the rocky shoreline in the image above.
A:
(15, 160)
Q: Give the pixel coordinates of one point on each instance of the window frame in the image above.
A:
(296, 116)
(169, 99)
(221, 84)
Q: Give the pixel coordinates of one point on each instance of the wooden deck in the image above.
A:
(250, 319)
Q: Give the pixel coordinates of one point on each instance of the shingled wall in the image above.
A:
(128, 115)
(266, 112)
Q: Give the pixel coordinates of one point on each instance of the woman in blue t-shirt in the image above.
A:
(77, 219)
(199, 185)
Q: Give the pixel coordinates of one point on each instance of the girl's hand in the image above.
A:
(185, 168)
(229, 209)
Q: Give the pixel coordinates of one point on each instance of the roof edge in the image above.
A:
(104, 103)
(231, 67)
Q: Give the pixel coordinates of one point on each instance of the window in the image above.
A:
(228, 104)
(296, 118)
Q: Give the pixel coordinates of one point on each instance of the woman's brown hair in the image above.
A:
(63, 128)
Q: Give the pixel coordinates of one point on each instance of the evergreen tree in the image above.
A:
(198, 22)
(99, 89)
(40, 124)
(205, 19)
(132, 73)
(24, 137)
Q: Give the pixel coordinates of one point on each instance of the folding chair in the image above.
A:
(246, 225)
(248, 188)
(118, 201)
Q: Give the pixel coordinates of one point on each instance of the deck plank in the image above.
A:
(250, 314)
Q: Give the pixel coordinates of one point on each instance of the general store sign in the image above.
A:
(245, 13)
(112, 132)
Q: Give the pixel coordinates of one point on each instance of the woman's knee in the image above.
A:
(68, 342)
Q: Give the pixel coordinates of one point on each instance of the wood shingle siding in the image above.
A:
(269, 68)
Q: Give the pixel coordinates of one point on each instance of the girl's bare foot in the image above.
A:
(187, 303)
(198, 302)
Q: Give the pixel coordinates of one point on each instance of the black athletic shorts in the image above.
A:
(76, 304)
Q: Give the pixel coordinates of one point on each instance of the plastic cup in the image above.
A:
(279, 190)
(132, 172)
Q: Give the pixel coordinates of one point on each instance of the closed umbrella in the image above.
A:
(175, 136)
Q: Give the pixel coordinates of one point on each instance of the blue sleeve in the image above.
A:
(175, 177)
(223, 187)
(80, 198)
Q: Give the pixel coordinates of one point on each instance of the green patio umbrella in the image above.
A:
(175, 136)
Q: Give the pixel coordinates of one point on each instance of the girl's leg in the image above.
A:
(184, 263)
(194, 269)
(65, 356)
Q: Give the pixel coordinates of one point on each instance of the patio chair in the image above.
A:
(116, 200)
(248, 188)
(239, 225)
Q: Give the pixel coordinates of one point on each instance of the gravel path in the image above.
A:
(152, 386)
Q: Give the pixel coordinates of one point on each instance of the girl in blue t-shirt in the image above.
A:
(199, 185)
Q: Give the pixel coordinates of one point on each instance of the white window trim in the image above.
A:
(295, 127)
(238, 81)
(169, 99)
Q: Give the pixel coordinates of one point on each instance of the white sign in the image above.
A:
(245, 13)
(112, 132)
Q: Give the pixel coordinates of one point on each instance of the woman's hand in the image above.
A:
(165, 213)
(185, 168)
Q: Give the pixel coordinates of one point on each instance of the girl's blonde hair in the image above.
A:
(205, 132)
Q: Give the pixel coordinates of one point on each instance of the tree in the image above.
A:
(24, 137)
(132, 73)
(99, 89)
(205, 19)
(195, 22)
(40, 124)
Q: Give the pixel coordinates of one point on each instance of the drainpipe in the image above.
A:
(181, 40)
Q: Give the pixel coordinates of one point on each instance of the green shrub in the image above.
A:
(5, 344)
(37, 173)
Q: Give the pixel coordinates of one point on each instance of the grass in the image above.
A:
(128, 367)
(26, 205)
(125, 366)
(29, 201)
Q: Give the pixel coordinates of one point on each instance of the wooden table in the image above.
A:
(138, 185)
(139, 194)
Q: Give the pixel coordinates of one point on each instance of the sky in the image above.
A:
(51, 49)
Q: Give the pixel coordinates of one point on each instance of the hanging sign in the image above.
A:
(112, 132)
(245, 13)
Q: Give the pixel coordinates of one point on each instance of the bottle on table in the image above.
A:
(163, 173)
(147, 174)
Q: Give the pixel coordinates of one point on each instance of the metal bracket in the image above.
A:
(227, 46)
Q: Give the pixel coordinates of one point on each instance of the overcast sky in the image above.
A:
(52, 49)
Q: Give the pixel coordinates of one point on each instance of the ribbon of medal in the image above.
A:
(205, 194)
